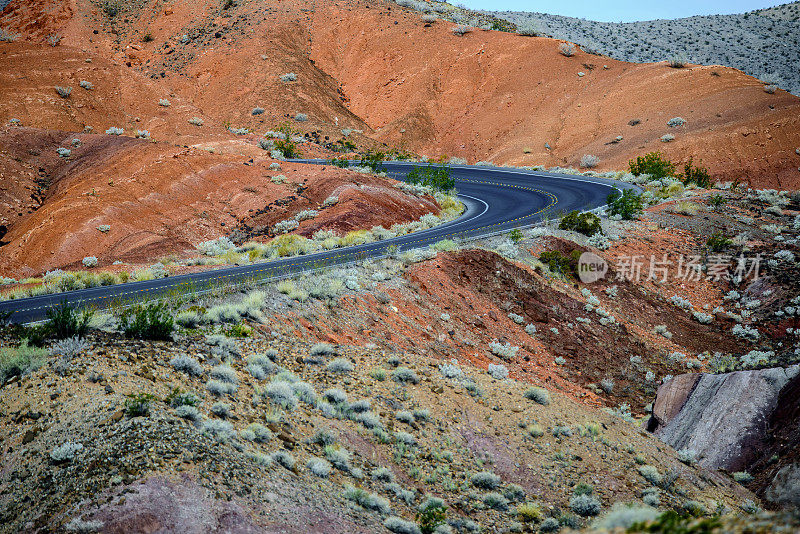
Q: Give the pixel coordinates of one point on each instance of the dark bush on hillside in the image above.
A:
(342, 163)
(653, 163)
(627, 205)
(287, 147)
(374, 160)
(695, 174)
(560, 263)
(586, 223)
(64, 321)
(718, 242)
(150, 321)
(138, 405)
(436, 176)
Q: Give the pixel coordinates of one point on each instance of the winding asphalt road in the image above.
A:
(496, 198)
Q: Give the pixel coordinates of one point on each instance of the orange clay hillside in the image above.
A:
(376, 67)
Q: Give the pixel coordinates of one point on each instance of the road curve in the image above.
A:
(496, 198)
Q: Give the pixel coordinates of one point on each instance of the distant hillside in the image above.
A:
(763, 43)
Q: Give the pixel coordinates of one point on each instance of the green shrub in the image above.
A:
(515, 235)
(695, 174)
(138, 405)
(149, 321)
(560, 263)
(435, 176)
(20, 360)
(64, 321)
(342, 163)
(374, 160)
(653, 163)
(286, 146)
(716, 201)
(627, 205)
(718, 242)
(431, 514)
(586, 223)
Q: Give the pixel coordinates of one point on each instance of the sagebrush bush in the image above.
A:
(485, 480)
(538, 395)
(623, 516)
(187, 364)
(586, 223)
(340, 365)
(65, 452)
(319, 467)
(585, 505)
(404, 375)
(566, 49)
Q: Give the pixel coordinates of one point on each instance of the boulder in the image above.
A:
(724, 418)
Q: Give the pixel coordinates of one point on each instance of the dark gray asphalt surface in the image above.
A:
(497, 199)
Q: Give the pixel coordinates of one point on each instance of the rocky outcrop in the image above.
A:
(742, 421)
(723, 418)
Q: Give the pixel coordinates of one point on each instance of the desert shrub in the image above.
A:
(367, 500)
(676, 122)
(187, 365)
(560, 263)
(398, 525)
(281, 393)
(89, 261)
(566, 49)
(219, 388)
(20, 361)
(257, 111)
(677, 61)
(338, 457)
(461, 29)
(538, 395)
(63, 92)
(64, 321)
(495, 500)
(651, 474)
(322, 349)
(148, 321)
(80, 526)
(340, 365)
(182, 398)
(66, 452)
(225, 373)
(335, 396)
(585, 505)
(138, 405)
(624, 516)
(770, 89)
(718, 242)
(586, 223)
(196, 121)
(256, 432)
(742, 477)
(628, 205)
(654, 164)
(319, 467)
(589, 161)
(221, 431)
(485, 480)
(599, 241)
(696, 174)
(404, 375)
(506, 351)
(498, 372)
(404, 416)
(288, 77)
(114, 130)
(405, 438)
(431, 514)
(436, 176)
(286, 146)
(529, 513)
